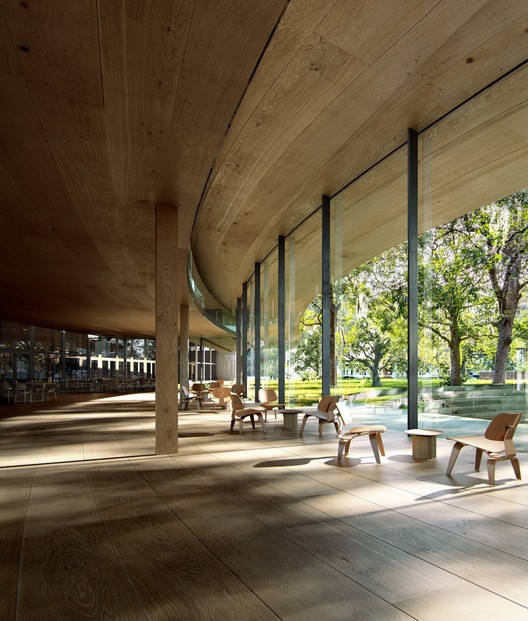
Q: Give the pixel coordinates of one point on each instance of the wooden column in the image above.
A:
(184, 347)
(167, 311)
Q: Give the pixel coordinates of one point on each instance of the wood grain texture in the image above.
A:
(241, 113)
(259, 526)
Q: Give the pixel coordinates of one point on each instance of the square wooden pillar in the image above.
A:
(167, 313)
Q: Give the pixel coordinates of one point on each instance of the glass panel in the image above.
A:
(269, 316)
(369, 286)
(473, 245)
(303, 322)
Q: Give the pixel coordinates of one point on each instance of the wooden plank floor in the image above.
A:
(256, 526)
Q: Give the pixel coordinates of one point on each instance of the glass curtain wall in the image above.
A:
(269, 353)
(250, 353)
(303, 267)
(368, 273)
(473, 219)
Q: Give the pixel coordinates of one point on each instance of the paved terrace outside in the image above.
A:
(258, 526)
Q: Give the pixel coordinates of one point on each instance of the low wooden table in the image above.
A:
(423, 442)
(290, 417)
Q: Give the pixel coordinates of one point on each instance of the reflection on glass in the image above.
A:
(473, 249)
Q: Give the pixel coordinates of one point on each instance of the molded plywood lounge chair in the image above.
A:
(497, 443)
(201, 391)
(325, 413)
(239, 412)
(239, 390)
(220, 394)
(187, 397)
(268, 401)
(346, 433)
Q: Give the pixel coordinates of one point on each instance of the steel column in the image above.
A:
(281, 308)
(244, 335)
(257, 329)
(326, 294)
(412, 264)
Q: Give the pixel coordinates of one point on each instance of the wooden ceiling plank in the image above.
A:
(220, 58)
(57, 43)
(142, 48)
(293, 32)
(343, 164)
(318, 74)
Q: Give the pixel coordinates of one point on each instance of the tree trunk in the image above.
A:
(503, 349)
(376, 380)
(455, 374)
(455, 370)
(508, 298)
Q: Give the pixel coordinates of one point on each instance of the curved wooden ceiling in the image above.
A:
(240, 113)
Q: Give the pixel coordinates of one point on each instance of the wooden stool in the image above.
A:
(290, 418)
(423, 442)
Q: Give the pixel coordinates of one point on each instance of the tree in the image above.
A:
(451, 287)
(307, 358)
(372, 324)
(311, 328)
(501, 232)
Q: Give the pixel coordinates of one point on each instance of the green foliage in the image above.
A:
(472, 275)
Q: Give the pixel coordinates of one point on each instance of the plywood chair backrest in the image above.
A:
(344, 416)
(221, 392)
(267, 395)
(236, 402)
(503, 426)
(238, 389)
(328, 404)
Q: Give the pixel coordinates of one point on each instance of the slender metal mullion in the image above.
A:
(257, 330)
(412, 265)
(281, 303)
(244, 336)
(326, 293)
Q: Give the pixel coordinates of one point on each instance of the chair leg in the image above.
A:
(457, 447)
(305, 418)
(379, 440)
(375, 447)
(516, 467)
(336, 427)
(491, 471)
(262, 422)
(321, 428)
(232, 425)
(478, 458)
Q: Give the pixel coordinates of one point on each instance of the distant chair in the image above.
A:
(239, 390)
(497, 443)
(187, 398)
(51, 390)
(346, 433)
(22, 393)
(239, 413)
(201, 391)
(220, 394)
(325, 413)
(268, 401)
(6, 391)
